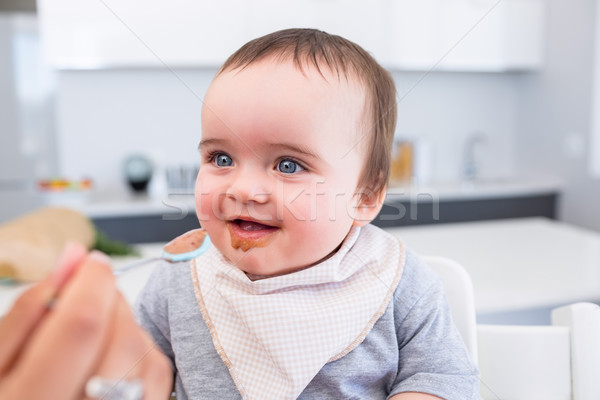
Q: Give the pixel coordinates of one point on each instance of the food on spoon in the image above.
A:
(186, 243)
(31, 244)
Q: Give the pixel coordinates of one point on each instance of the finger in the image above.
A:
(17, 325)
(157, 372)
(70, 339)
(70, 259)
(124, 350)
(30, 307)
(130, 353)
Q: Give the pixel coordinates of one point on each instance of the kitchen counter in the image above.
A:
(522, 266)
(143, 219)
(474, 190)
(469, 201)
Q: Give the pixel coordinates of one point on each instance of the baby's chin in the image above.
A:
(256, 269)
(269, 260)
(258, 266)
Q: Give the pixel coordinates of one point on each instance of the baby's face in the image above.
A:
(282, 154)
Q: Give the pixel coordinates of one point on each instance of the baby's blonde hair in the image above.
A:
(314, 47)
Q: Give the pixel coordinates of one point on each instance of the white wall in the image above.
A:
(445, 108)
(554, 121)
(104, 115)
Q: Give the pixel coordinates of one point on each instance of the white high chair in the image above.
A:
(459, 292)
(555, 362)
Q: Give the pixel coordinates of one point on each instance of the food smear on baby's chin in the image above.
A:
(246, 234)
(187, 242)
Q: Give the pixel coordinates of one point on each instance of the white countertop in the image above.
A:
(115, 205)
(515, 264)
(519, 263)
(475, 190)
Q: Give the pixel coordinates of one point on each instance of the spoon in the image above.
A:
(183, 248)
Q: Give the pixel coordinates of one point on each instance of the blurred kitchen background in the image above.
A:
(497, 103)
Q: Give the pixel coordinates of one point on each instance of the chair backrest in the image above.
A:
(583, 321)
(554, 362)
(459, 292)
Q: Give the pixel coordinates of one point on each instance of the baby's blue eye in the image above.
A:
(289, 167)
(223, 160)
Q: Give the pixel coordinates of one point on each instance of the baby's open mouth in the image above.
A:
(246, 234)
(251, 226)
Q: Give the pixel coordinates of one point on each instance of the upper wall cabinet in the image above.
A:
(466, 35)
(469, 35)
(358, 20)
(179, 33)
(128, 33)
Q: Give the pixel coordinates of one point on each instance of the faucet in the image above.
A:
(470, 164)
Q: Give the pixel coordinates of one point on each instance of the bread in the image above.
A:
(30, 245)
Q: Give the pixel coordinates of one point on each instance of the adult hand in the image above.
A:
(72, 326)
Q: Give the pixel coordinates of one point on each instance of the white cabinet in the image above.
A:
(402, 34)
(466, 35)
(357, 20)
(175, 33)
(152, 33)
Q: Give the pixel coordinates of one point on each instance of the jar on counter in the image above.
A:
(401, 170)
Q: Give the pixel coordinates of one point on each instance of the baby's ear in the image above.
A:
(369, 204)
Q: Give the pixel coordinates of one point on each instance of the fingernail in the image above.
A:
(65, 255)
(70, 257)
(100, 257)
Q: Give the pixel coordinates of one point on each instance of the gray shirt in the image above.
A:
(414, 346)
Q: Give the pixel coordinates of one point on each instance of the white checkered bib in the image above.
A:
(275, 334)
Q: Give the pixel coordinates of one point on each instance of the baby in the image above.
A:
(299, 296)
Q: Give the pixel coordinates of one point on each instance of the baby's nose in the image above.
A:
(249, 188)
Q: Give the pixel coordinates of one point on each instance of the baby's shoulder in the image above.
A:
(418, 282)
(168, 277)
(417, 276)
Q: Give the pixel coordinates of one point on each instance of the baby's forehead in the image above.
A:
(314, 71)
(347, 88)
(345, 91)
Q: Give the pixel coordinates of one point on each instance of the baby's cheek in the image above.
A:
(205, 206)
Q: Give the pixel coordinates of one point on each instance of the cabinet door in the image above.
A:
(356, 20)
(491, 35)
(128, 33)
(414, 31)
(466, 35)
(401, 34)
